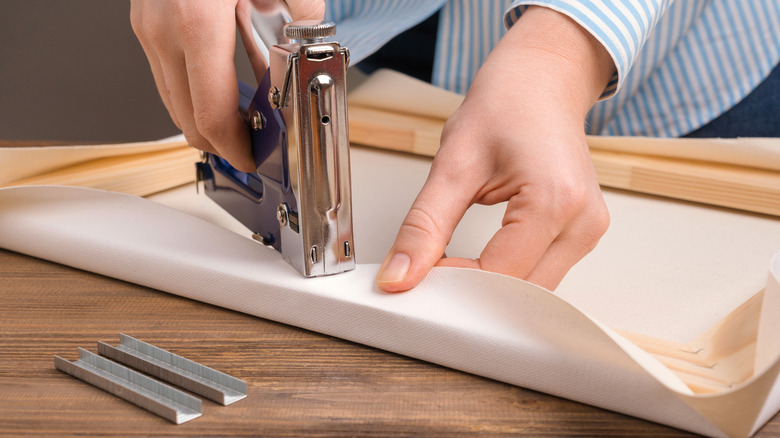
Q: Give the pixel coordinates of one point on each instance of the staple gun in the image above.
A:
(299, 200)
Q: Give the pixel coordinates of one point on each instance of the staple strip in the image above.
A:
(180, 371)
(168, 402)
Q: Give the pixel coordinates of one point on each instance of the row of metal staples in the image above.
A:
(157, 397)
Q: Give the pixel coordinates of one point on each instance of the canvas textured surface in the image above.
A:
(483, 323)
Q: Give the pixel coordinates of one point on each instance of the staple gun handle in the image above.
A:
(252, 198)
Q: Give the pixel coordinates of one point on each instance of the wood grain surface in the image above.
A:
(140, 174)
(300, 383)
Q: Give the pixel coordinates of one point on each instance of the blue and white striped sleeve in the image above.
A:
(621, 26)
(365, 26)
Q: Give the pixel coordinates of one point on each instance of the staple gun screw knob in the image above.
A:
(257, 121)
(274, 97)
(309, 30)
(282, 215)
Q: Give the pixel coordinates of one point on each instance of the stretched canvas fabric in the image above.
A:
(562, 343)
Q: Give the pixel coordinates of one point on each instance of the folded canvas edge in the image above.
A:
(22, 240)
(742, 410)
(768, 344)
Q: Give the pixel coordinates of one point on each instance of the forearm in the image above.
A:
(553, 59)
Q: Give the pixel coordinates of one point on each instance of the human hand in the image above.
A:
(517, 137)
(190, 46)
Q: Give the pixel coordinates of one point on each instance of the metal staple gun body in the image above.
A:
(299, 200)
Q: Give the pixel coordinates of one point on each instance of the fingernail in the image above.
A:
(395, 269)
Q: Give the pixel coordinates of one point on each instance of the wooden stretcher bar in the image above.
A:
(740, 187)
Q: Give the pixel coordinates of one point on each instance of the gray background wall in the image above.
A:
(74, 71)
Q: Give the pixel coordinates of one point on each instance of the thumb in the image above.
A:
(424, 233)
(306, 9)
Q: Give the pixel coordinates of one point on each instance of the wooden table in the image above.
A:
(300, 383)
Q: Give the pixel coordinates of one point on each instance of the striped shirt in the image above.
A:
(679, 64)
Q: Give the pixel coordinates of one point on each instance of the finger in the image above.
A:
(521, 250)
(548, 271)
(514, 250)
(213, 88)
(426, 230)
(306, 9)
(570, 247)
(245, 29)
(162, 89)
(154, 60)
(298, 9)
(214, 92)
(176, 86)
(556, 262)
(162, 45)
(526, 233)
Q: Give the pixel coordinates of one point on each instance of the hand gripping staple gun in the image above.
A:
(299, 200)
